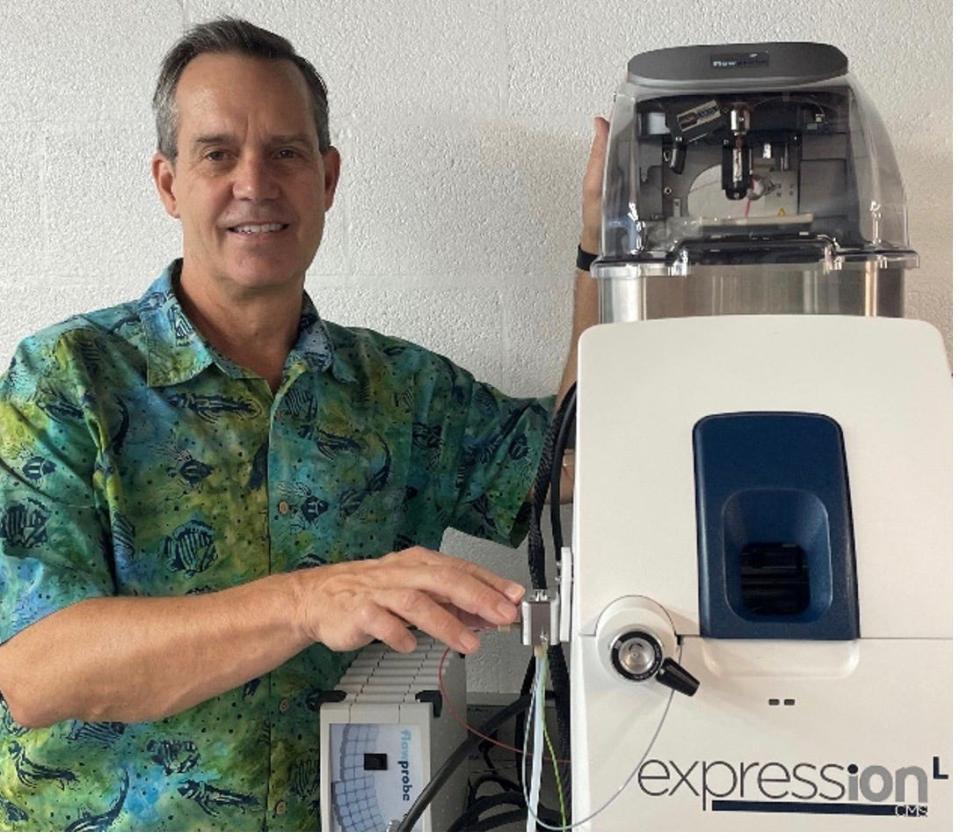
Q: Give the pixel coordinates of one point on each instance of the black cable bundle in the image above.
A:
(442, 775)
(548, 477)
(470, 819)
(536, 552)
(559, 675)
(549, 473)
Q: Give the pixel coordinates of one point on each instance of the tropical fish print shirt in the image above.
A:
(136, 460)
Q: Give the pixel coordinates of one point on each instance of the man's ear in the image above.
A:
(331, 175)
(161, 167)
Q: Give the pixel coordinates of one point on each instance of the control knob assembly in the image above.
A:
(638, 655)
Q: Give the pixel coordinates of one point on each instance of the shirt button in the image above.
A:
(284, 705)
(281, 808)
(283, 508)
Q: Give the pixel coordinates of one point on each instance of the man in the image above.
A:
(210, 495)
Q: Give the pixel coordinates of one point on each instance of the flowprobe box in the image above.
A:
(385, 731)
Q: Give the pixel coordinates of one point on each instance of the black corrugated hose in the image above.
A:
(470, 819)
(536, 558)
(442, 775)
(548, 475)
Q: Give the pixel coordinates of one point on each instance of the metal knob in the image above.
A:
(638, 655)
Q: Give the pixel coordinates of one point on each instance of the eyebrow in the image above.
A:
(284, 139)
(207, 139)
(276, 139)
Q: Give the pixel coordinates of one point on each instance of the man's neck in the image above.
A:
(255, 329)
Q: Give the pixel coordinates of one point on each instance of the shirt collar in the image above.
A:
(176, 352)
(315, 348)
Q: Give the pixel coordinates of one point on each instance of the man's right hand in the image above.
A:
(347, 605)
(130, 659)
(591, 213)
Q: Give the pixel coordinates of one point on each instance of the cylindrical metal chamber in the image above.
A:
(865, 290)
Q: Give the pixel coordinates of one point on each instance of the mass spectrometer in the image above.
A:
(760, 609)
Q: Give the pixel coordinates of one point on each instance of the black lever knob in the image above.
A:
(637, 655)
(674, 676)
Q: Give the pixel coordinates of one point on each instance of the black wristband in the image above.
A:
(584, 259)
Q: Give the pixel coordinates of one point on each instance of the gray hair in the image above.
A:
(229, 35)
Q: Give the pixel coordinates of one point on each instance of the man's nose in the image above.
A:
(253, 179)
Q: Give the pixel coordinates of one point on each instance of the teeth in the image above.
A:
(258, 228)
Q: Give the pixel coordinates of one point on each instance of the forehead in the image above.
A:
(217, 91)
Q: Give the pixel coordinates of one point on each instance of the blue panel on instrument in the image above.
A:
(775, 533)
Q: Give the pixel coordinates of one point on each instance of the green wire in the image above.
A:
(553, 758)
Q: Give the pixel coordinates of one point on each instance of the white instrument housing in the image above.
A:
(784, 733)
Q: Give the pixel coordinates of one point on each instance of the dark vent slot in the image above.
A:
(774, 579)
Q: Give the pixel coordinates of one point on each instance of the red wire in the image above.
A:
(448, 704)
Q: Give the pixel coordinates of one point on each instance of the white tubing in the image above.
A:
(536, 719)
(532, 803)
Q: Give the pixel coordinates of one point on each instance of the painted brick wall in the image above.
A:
(464, 126)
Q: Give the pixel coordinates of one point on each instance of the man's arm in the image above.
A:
(586, 299)
(129, 659)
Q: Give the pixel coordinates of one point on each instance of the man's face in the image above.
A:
(249, 185)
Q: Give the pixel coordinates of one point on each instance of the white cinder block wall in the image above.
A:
(464, 126)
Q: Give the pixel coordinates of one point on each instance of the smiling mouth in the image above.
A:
(257, 229)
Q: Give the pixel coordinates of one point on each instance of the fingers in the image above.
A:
(442, 595)
(422, 611)
(381, 623)
(591, 216)
(593, 177)
(598, 149)
(510, 589)
(463, 584)
(469, 620)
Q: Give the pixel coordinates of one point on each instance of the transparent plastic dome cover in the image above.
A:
(749, 153)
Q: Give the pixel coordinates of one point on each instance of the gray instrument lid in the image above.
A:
(743, 65)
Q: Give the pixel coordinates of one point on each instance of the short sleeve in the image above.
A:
(497, 459)
(53, 542)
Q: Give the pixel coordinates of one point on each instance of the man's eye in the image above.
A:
(216, 155)
(287, 154)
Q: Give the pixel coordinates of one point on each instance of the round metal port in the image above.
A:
(637, 655)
